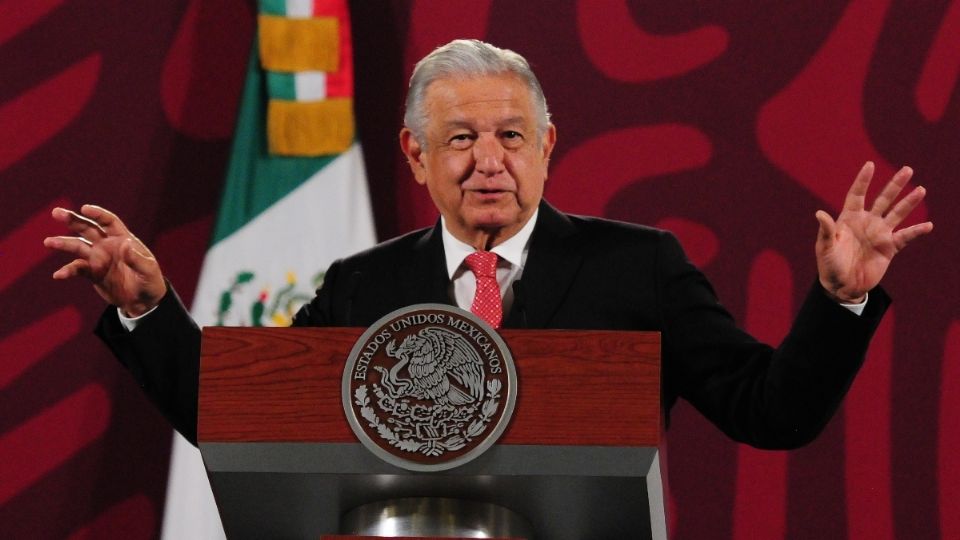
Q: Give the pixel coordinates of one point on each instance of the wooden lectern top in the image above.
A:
(576, 387)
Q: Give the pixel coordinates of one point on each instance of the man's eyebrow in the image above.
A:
(511, 121)
(451, 124)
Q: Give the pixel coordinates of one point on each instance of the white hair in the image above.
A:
(465, 58)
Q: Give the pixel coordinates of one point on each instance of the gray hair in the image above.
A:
(465, 58)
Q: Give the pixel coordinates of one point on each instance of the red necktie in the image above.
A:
(486, 303)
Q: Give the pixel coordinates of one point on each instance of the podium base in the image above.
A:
(435, 517)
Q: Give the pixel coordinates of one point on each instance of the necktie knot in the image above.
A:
(487, 303)
(483, 263)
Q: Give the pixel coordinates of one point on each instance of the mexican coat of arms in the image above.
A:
(429, 387)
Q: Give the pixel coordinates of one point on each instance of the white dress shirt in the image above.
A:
(512, 256)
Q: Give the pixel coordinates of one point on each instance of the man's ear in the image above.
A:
(549, 141)
(413, 151)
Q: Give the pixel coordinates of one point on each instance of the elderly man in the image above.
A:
(477, 134)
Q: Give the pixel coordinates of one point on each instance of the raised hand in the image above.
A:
(123, 271)
(854, 252)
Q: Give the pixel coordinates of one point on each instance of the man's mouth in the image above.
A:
(487, 196)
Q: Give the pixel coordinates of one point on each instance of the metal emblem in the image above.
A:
(429, 387)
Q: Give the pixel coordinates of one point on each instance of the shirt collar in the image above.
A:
(510, 250)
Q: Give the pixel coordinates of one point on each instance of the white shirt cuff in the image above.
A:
(131, 322)
(857, 308)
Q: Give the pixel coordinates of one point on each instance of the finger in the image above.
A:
(107, 219)
(891, 190)
(906, 205)
(78, 267)
(78, 224)
(858, 190)
(908, 234)
(78, 247)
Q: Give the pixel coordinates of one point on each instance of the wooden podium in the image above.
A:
(578, 460)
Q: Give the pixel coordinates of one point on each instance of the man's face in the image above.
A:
(483, 163)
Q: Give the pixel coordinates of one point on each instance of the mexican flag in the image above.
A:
(295, 200)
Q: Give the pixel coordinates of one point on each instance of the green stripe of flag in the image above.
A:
(281, 85)
(273, 7)
(256, 180)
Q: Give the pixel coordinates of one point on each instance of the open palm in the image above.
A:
(854, 252)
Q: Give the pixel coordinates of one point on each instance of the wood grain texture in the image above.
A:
(575, 387)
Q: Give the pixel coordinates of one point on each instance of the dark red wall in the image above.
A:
(727, 122)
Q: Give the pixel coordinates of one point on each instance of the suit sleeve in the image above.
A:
(767, 397)
(163, 355)
(163, 351)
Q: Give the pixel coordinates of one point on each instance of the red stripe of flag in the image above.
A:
(340, 83)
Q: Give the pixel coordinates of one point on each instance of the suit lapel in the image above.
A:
(425, 279)
(552, 264)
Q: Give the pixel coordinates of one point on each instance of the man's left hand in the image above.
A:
(854, 252)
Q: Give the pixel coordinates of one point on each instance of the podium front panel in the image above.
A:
(578, 459)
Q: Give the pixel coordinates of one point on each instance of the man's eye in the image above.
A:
(462, 140)
(512, 139)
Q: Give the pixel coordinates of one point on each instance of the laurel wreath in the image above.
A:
(285, 302)
(431, 448)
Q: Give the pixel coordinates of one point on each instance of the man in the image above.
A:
(477, 134)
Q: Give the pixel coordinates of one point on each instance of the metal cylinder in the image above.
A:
(436, 517)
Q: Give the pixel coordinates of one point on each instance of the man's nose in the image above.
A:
(488, 153)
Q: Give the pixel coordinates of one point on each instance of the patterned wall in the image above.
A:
(727, 122)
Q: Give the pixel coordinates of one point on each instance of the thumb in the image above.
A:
(827, 227)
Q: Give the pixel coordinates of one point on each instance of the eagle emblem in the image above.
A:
(432, 357)
(429, 387)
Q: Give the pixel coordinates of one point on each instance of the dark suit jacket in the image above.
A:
(581, 273)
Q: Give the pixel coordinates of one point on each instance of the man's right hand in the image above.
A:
(122, 269)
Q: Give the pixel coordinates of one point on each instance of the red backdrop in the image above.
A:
(724, 122)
